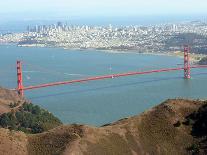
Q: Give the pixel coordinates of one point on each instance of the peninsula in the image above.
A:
(162, 38)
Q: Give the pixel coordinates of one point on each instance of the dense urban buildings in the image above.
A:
(155, 38)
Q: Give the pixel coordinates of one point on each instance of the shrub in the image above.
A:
(194, 148)
(13, 105)
(29, 119)
(177, 124)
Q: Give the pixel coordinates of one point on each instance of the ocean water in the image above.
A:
(97, 102)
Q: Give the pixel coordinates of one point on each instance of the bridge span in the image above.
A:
(187, 68)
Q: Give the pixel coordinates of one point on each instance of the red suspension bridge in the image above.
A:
(186, 68)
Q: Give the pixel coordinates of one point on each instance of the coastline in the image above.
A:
(195, 58)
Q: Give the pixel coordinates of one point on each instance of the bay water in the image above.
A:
(97, 102)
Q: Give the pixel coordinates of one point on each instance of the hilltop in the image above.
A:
(169, 128)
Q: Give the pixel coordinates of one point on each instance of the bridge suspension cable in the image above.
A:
(186, 68)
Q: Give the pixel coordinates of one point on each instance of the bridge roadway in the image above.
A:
(109, 77)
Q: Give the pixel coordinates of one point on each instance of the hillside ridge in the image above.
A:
(159, 130)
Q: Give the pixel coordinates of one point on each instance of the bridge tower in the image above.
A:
(187, 62)
(19, 79)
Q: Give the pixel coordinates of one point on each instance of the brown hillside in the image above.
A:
(7, 97)
(153, 132)
(156, 131)
(13, 142)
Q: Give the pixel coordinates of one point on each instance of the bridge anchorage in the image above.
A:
(186, 68)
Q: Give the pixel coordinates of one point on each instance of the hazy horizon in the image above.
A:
(50, 9)
(15, 15)
(19, 24)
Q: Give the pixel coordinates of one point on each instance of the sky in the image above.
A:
(92, 8)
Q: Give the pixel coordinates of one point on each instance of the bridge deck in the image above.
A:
(109, 77)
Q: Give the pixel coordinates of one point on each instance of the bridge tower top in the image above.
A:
(187, 62)
(19, 79)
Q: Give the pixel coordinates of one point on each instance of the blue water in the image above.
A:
(97, 102)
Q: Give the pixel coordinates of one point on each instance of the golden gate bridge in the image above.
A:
(186, 68)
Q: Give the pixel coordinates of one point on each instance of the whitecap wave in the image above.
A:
(31, 71)
(28, 77)
(73, 74)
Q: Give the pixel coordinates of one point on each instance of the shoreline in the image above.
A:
(194, 58)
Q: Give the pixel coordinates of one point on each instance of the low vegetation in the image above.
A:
(198, 120)
(15, 104)
(176, 126)
(29, 118)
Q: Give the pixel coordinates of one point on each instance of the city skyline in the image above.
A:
(92, 8)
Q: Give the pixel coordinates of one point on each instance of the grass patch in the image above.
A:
(113, 144)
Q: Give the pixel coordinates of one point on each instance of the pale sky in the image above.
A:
(104, 7)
